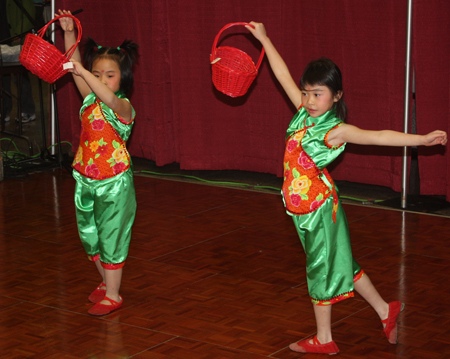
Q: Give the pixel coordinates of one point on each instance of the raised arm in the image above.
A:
(277, 64)
(353, 134)
(67, 26)
(121, 106)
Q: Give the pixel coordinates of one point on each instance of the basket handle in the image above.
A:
(71, 50)
(213, 51)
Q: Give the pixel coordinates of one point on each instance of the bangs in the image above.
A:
(313, 77)
(322, 72)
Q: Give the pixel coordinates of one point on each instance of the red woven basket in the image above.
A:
(233, 71)
(44, 59)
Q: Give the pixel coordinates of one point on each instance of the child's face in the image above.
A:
(108, 72)
(318, 99)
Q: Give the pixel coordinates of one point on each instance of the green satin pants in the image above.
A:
(330, 266)
(105, 211)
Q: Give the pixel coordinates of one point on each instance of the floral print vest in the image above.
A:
(102, 153)
(303, 189)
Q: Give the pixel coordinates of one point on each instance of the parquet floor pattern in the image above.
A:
(212, 273)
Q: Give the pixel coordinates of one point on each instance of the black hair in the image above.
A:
(125, 56)
(324, 72)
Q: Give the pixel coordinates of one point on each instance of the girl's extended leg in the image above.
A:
(367, 290)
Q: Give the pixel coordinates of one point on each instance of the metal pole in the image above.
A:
(406, 109)
(52, 94)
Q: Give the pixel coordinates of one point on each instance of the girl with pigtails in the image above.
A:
(105, 199)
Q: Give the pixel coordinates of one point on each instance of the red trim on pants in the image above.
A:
(340, 297)
(358, 276)
(94, 258)
(112, 266)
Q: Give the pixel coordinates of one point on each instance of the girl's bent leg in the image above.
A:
(368, 291)
(100, 269)
(388, 313)
(99, 293)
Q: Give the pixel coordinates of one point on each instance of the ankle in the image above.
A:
(324, 338)
(384, 313)
(115, 297)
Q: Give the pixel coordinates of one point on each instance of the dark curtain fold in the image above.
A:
(182, 118)
(431, 50)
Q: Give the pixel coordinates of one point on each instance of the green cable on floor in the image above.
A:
(11, 154)
(10, 140)
(247, 185)
(198, 178)
(364, 201)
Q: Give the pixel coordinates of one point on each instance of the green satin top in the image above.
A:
(314, 140)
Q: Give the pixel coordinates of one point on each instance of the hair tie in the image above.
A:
(118, 48)
(99, 47)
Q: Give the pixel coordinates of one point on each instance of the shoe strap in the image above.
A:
(113, 302)
(316, 341)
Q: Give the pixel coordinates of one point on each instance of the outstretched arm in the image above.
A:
(277, 64)
(353, 134)
(120, 106)
(69, 40)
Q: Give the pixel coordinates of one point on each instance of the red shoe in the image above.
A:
(390, 330)
(103, 309)
(98, 294)
(304, 346)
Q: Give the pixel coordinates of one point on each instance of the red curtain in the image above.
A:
(431, 50)
(182, 118)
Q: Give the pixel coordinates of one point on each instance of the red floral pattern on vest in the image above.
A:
(303, 189)
(102, 153)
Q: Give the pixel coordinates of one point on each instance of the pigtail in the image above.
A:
(129, 53)
(90, 51)
(130, 49)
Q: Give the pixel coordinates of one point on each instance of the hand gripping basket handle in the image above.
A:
(71, 50)
(213, 51)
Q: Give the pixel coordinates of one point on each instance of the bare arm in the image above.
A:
(353, 134)
(277, 64)
(121, 106)
(69, 40)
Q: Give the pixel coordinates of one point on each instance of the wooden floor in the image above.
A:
(212, 273)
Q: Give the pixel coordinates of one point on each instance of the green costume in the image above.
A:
(105, 199)
(311, 198)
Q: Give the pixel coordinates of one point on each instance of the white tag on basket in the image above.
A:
(216, 60)
(68, 65)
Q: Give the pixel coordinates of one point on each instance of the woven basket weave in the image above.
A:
(233, 71)
(44, 59)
